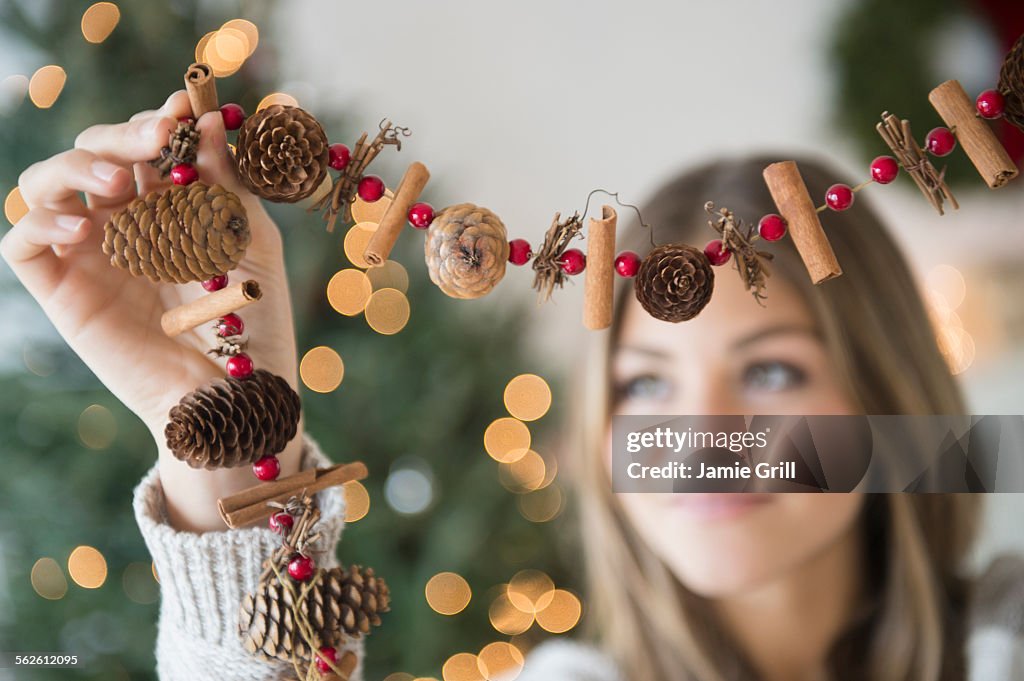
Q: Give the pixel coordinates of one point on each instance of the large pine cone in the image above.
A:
(1011, 84)
(185, 233)
(674, 282)
(182, 147)
(232, 422)
(342, 604)
(466, 250)
(282, 153)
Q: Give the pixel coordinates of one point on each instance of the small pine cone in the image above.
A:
(282, 153)
(466, 250)
(362, 596)
(1011, 84)
(232, 422)
(185, 233)
(674, 282)
(181, 148)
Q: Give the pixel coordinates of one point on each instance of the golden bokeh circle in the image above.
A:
(356, 240)
(201, 46)
(526, 474)
(500, 660)
(321, 369)
(507, 439)
(87, 567)
(461, 667)
(530, 591)
(541, 505)
(247, 28)
(357, 501)
(390, 274)
(99, 21)
(387, 311)
(527, 397)
(277, 98)
(231, 45)
(561, 614)
(15, 207)
(46, 84)
(507, 618)
(348, 291)
(447, 593)
(97, 427)
(371, 211)
(48, 579)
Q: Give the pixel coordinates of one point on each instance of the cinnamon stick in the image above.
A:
(975, 136)
(795, 206)
(391, 224)
(597, 292)
(202, 89)
(252, 504)
(213, 306)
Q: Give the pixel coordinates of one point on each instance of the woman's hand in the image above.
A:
(111, 319)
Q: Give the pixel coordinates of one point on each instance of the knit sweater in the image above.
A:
(203, 578)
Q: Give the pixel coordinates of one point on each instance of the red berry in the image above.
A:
(267, 468)
(940, 141)
(573, 261)
(990, 104)
(772, 227)
(371, 188)
(421, 215)
(281, 522)
(627, 264)
(326, 653)
(839, 197)
(184, 173)
(339, 156)
(519, 251)
(239, 366)
(884, 169)
(216, 284)
(301, 567)
(230, 325)
(233, 116)
(717, 253)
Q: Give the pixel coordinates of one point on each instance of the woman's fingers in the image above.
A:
(147, 178)
(56, 182)
(29, 246)
(215, 163)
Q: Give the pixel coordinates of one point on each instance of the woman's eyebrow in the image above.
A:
(772, 331)
(643, 350)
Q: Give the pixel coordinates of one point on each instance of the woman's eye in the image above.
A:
(645, 387)
(773, 376)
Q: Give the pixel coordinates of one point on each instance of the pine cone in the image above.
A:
(186, 233)
(232, 422)
(181, 148)
(466, 250)
(1011, 84)
(341, 604)
(674, 282)
(282, 153)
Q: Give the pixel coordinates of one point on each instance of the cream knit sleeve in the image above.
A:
(203, 578)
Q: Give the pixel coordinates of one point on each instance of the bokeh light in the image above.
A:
(530, 591)
(447, 593)
(321, 369)
(45, 85)
(227, 48)
(99, 21)
(357, 501)
(507, 618)
(371, 212)
(387, 311)
(390, 274)
(356, 240)
(348, 291)
(409, 488)
(87, 567)
(48, 579)
(461, 667)
(399, 676)
(949, 283)
(248, 29)
(13, 89)
(139, 584)
(526, 474)
(500, 660)
(561, 614)
(507, 439)
(527, 397)
(15, 207)
(97, 427)
(542, 505)
(277, 98)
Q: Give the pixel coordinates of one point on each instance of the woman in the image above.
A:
(682, 586)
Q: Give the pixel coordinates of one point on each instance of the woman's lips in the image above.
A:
(711, 506)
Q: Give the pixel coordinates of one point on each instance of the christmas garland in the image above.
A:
(196, 232)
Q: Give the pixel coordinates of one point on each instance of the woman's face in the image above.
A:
(736, 357)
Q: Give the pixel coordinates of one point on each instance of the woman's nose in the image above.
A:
(709, 393)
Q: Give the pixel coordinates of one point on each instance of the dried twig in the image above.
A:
(751, 263)
(546, 265)
(930, 181)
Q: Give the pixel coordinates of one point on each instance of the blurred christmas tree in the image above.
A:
(413, 405)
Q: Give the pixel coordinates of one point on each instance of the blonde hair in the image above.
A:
(880, 340)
